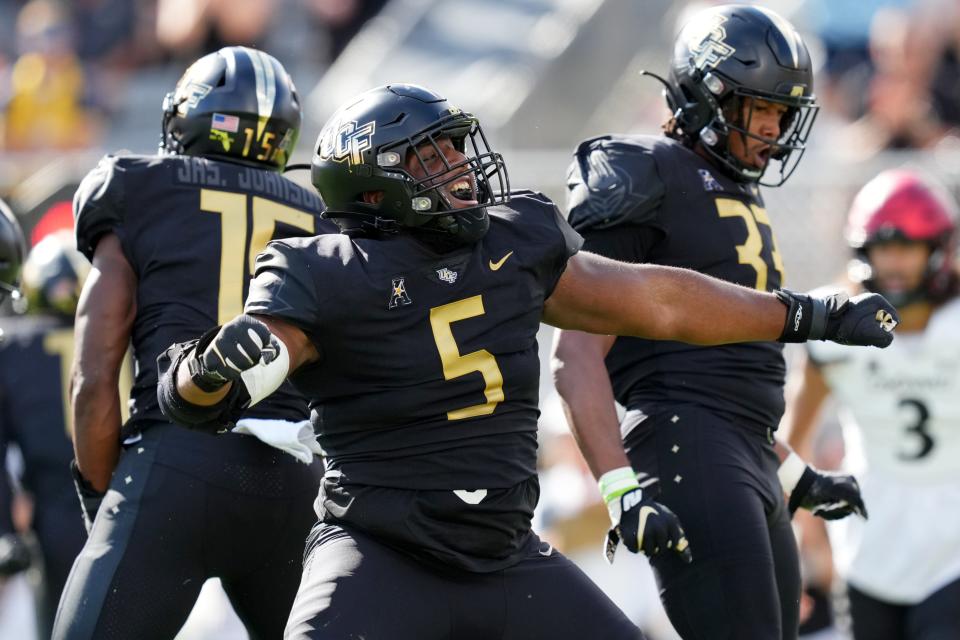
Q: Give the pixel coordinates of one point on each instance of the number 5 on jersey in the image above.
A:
(456, 365)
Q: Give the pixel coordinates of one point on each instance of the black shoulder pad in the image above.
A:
(613, 181)
(526, 201)
(98, 205)
(284, 284)
(539, 196)
(572, 240)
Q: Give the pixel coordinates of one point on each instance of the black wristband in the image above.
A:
(799, 321)
(800, 490)
(200, 377)
(83, 485)
(198, 373)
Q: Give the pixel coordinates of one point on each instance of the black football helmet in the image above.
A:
(365, 144)
(53, 275)
(12, 251)
(731, 52)
(237, 104)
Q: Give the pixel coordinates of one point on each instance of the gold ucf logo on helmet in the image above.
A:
(707, 43)
(346, 141)
(193, 93)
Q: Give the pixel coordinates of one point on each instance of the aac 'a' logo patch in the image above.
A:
(709, 182)
(345, 141)
(398, 294)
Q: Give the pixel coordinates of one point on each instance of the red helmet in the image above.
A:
(901, 205)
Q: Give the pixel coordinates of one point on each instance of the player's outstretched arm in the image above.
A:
(256, 351)
(104, 321)
(603, 296)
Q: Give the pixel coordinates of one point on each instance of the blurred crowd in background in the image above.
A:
(63, 64)
(887, 85)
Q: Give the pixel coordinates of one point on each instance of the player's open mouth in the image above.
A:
(462, 191)
(762, 156)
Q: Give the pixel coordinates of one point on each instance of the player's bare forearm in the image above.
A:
(104, 320)
(805, 398)
(194, 394)
(584, 387)
(599, 295)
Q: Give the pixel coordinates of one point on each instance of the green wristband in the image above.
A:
(616, 482)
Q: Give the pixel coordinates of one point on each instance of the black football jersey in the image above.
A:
(191, 229)
(430, 372)
(650, 199)
(35, 358)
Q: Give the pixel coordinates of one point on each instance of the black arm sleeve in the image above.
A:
(284, 284)
(98, 205)
(570, 243)
(612, 182)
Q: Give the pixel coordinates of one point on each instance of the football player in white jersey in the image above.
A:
(900, 412)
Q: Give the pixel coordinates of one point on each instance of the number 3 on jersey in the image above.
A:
(750, 251)
(235, 237)
(918, 430)
(456, 365)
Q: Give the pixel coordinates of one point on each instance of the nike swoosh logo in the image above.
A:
(494, 266)
(645, 512)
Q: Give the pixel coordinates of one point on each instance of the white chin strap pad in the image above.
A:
(266, 377)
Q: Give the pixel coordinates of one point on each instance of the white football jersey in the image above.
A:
(900, 412)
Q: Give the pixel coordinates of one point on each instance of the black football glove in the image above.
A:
(14, 555)
(239, 345)
(831, 496)
(865, 320)
(641, 523)
(90, 498)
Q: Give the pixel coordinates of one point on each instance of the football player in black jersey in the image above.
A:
(172, 238)
(12, 253)
(413, 334)
(35, 360)
(701, 419)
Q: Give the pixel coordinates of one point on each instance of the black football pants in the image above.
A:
(356, 587)
(721, 481)
(184, 507)
(936, 618)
